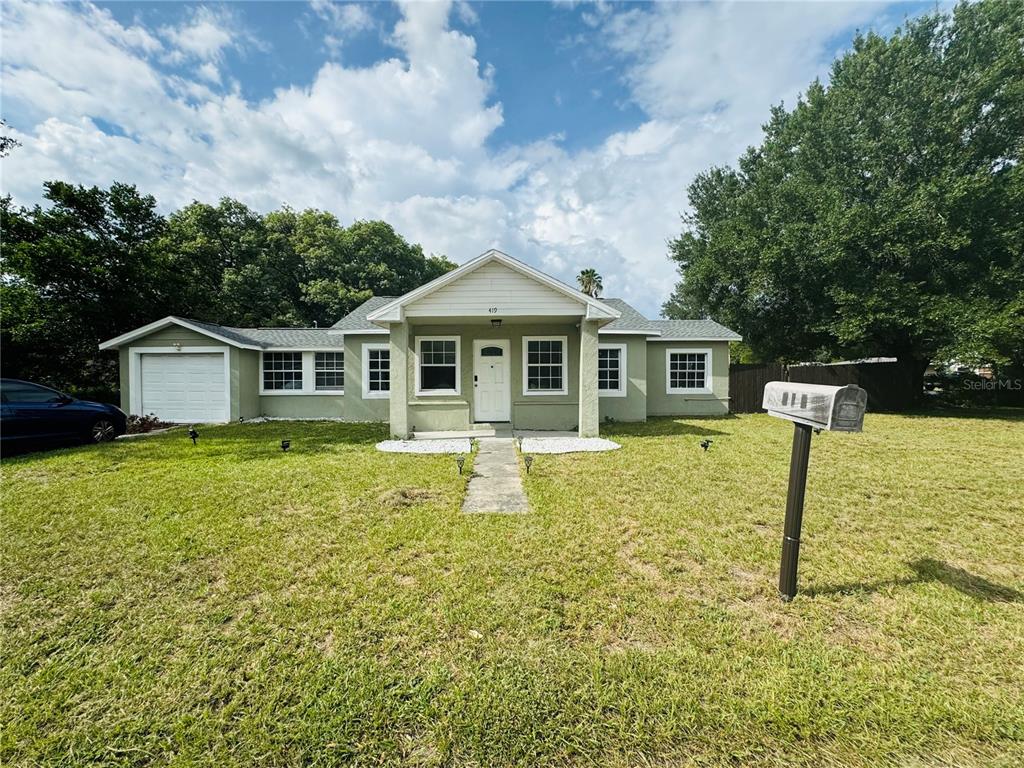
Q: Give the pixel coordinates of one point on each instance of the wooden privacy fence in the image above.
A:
(746, 384)
(890, 385)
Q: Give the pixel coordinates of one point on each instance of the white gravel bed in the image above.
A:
(565, 444)
(457, 445)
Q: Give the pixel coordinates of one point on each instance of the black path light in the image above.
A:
(706, 443)
(285, 445)
(528, 461)
(193, 434)
(460, 460)
(809, 407)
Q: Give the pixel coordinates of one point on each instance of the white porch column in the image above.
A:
(399, 397)
(589, 418)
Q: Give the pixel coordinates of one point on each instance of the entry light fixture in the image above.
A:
(285, 445)
(528, 461)
(177, 346)
(193, 434)
(460, 460)
(496, 322)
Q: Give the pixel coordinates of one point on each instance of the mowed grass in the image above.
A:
(230, 604)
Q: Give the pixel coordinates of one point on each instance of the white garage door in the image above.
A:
(184, 387)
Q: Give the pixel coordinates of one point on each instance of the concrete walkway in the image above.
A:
(495, 485)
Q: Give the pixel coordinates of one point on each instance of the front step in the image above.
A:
(481, 429)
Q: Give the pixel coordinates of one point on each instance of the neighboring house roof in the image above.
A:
(391, 311)
(356, 319)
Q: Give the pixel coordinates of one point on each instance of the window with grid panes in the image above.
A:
(329, 370)
(282, 370)
(438, 360)
(609, 369)
(687, 370)
(378, 370)
(545, 361)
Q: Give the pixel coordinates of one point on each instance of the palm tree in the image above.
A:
(590, 282)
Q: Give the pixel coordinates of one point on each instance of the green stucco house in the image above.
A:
(492, 341)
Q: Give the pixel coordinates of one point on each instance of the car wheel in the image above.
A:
(102, 431)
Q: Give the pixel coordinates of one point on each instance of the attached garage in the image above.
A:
(181, 386)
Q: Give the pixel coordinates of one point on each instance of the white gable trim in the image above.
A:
(166, 323)
(392, 312)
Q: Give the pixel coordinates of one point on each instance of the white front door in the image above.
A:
(492, 389)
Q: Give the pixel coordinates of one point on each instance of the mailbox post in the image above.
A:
(794, 510)
(809, 407)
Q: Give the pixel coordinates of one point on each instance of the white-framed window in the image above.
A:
(611, 370)
(687, 371)
(302, 372)
(545, 365)
(437, 365)
(329, 371)
(376, 371)
(282, 371)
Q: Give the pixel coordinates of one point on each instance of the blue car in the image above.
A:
(33, 415)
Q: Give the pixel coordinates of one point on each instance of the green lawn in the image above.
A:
(229, 604)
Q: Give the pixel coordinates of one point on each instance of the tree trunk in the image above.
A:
(915, 367)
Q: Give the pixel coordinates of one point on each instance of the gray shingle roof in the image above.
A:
(276, 338)
(355, 322)
(356, 319)
(631, 319)
(234, 334)
(303, 338)
(682, 330)
(677, 330)
(299, 338)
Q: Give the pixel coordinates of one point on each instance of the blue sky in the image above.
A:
(564, 134)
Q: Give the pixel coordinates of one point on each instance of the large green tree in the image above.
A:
(79, 270)
(884, 213)
(93, 263)
(365, 259)
(234, 266)
(288, 268)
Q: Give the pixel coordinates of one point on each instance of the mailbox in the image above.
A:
(810, 407)
(838, 409)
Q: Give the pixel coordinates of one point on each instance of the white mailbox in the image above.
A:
(839, 409)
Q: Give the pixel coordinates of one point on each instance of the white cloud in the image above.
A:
(349, 17)
(208, 71)
(406, 138)
(204, 36)
(465, 13)
(342, 21)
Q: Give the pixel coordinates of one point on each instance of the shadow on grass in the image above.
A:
(927, 570)
(668, 426)
(1002, 413)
